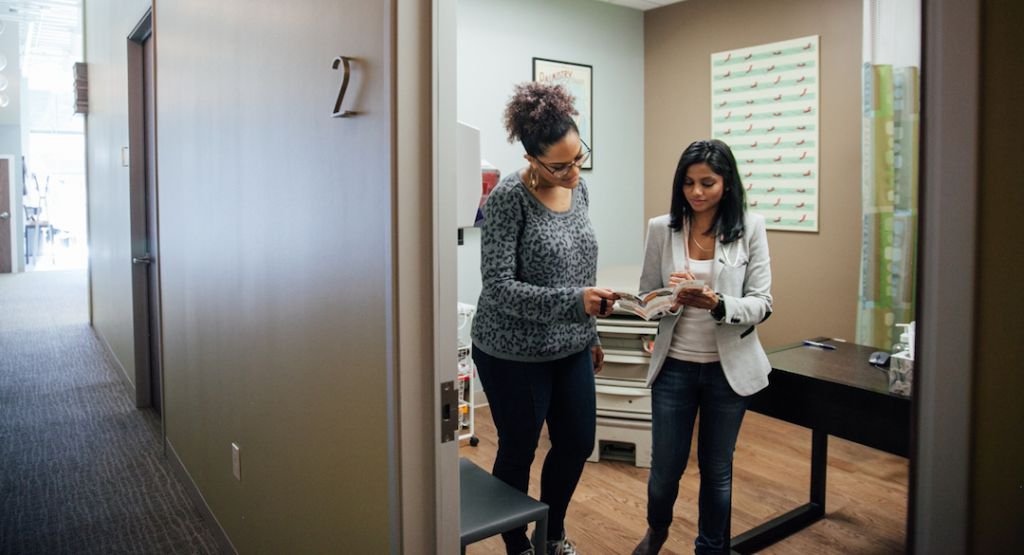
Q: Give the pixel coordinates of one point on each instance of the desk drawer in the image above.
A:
(632, 369)
(623, 416)
(623, 399)
(629, 325)
(629, 343)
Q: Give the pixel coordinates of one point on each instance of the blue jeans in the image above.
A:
(522, 395)
(680, 391)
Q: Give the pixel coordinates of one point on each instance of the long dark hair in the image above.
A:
(539, 116)
(728, 221)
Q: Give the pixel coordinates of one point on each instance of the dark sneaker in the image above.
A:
(562, 547)
(652, 542)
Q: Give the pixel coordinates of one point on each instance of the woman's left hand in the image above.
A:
(701, 298)
(598, 354)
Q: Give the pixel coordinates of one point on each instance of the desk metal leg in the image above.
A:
(762, 536)
(819, 468)
(540, 536)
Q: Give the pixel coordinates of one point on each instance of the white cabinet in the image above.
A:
(623, 403)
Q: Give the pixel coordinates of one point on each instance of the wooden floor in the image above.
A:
(866, 507)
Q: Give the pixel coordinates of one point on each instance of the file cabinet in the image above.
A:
(623, 403)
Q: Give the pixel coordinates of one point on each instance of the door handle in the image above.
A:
(144, 259)
(5, 215)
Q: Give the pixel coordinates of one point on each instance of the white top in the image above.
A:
(693, 339)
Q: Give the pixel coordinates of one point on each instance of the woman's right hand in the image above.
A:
(678, 277)
(592, 297)
(675, 279)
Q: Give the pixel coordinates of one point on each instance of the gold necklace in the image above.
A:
(696, 242)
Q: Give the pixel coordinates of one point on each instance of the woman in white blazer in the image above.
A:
(707, 357)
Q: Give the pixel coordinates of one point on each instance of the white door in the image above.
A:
(6, 221)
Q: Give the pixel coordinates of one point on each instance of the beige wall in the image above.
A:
(277, 265)
(997, 458)
(815, 275)
(107, 25)
(275, 230)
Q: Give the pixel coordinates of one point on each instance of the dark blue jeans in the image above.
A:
(522, 395)
(681, 390)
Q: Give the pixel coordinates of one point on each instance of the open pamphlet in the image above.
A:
(655, 304)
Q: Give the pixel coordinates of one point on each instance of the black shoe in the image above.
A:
(561, 547)
(652, 542)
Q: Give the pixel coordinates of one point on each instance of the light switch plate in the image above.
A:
(236, 461)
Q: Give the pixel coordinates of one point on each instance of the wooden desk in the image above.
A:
(832, 393)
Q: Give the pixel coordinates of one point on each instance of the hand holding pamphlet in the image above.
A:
(654, 304)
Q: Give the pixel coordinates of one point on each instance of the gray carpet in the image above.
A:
(81, 469)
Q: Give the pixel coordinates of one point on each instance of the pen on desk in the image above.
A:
(810, 343)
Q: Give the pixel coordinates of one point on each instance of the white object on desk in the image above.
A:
(901, 373)
(907, 338)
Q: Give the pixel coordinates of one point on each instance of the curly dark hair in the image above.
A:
(539, 116)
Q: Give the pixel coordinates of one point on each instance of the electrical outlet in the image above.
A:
(236, 461)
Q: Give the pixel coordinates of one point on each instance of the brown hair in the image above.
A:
(539, 115)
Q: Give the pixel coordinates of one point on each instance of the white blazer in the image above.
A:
(741, 275)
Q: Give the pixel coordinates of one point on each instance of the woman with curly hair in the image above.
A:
(534, 335)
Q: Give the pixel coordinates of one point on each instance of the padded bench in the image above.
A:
(489, 506)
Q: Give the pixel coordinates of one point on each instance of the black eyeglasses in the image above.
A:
(562, 170)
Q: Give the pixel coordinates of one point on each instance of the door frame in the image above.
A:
(445, 117)
(939, 493)
(142, 32)
(16, 216)
(938, 497)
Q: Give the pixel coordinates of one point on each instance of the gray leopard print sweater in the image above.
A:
(534, 263)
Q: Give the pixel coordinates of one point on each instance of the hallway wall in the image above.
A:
(276, 269)
(106, 26)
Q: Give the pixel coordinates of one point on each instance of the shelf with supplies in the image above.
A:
(466, 376)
